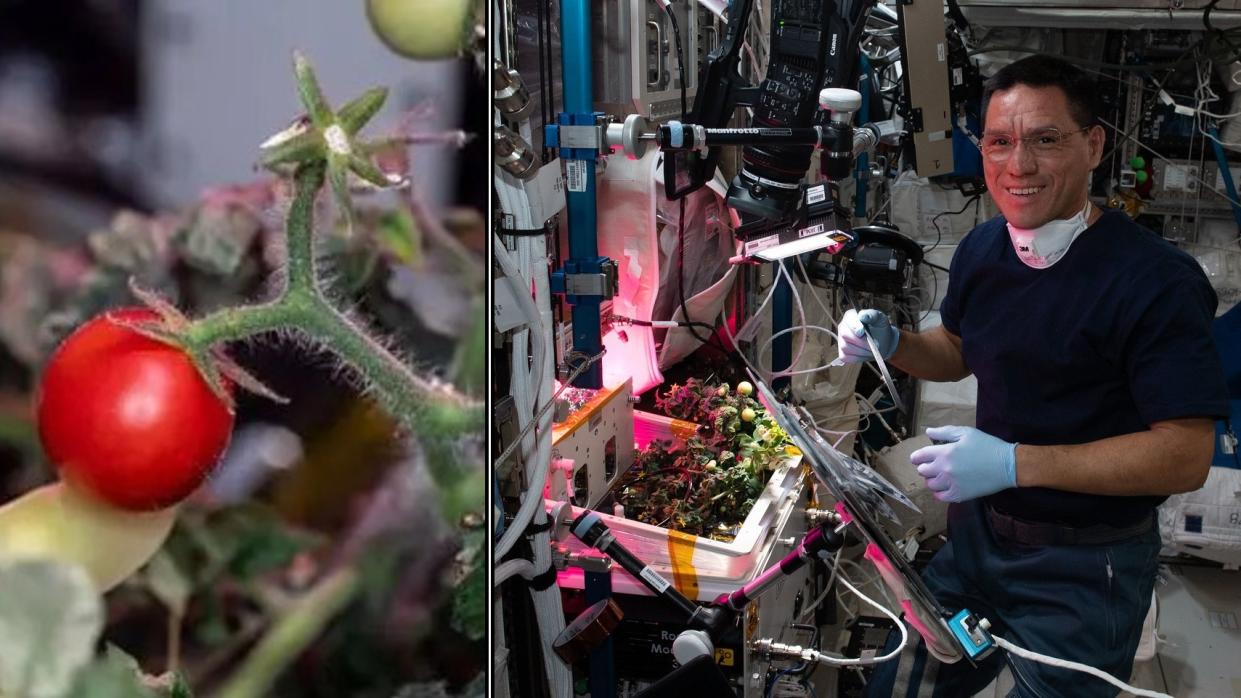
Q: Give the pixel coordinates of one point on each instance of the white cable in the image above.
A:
(771, 292)
(766, 375)
(547, 405)
(1209, 186)
(542, 453)
(781, 270)
(504, 570)
(827, 314)
(1075, 666)
(859, 661)
(547, 604)
(766, 349)
(550, 614)
(801, 314)
(827, 588)
(733, 340)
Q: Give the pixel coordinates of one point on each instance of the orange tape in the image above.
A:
(682, 429)
(681, 553)
(577, 419)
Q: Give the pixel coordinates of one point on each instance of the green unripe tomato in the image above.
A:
(56, 521)
(422, 29)
(747, 415)
(745, 388)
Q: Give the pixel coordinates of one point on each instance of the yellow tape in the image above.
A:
(681, 553)
(682, 429)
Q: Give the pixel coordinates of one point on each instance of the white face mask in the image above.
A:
(1045, 245)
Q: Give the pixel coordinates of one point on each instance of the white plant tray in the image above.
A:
(701, 568)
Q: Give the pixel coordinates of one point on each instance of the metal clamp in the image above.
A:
(598, 284)
(563, 558)
(579, 137)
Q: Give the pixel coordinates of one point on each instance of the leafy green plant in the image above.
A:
(707, 486)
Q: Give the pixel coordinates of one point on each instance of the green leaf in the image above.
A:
(168, 583)
(180, 688)
(354, 115)
(399, 235)
(50, 616)
(469, 601)
(338, 177)
(470, 363)
(212, 630)
(308, 90)
(294, 149)
(367, 170)
(115, 675)
(254, 540)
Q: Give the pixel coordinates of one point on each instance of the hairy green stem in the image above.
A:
(434, 411)
(292, 634)
(238, 323)
(420, 405)
(299, 228)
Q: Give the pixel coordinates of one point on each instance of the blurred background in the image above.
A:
(129, 130)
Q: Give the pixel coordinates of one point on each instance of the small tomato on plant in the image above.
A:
(421, 29)
(127, 418)
(747, 415)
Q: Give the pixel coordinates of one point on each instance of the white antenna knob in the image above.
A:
(841, 102)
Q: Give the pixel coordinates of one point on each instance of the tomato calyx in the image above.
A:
(217, 368)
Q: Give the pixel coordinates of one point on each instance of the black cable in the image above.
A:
(935, 266)
(1206, 21)
(551, 65)
(523, 232)
(544, 83)
(676, 34)
(958, 17)
(935, 292)
(1232, 441)
(939, 235)
(689, 323)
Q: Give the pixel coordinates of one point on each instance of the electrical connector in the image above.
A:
(973, 634)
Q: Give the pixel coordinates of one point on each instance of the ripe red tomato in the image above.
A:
(128, 418)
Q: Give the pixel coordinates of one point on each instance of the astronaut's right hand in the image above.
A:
(854, 327)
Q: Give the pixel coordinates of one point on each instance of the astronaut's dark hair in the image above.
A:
(1048, 71)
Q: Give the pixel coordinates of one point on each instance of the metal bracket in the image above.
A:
(563, 558)
(580, 137)
(914, 121)
(600, 284)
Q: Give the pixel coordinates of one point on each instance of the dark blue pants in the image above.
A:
(1084, 603)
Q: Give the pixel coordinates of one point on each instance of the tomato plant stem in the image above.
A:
(300, 227)
(431, 409)
(290, 636)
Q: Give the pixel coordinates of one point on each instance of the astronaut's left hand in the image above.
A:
(970, 464)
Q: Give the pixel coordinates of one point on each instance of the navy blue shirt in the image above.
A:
(1112, 338)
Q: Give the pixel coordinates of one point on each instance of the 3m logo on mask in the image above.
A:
(1041, 247)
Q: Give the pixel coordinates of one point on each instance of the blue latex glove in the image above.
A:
(972, 464)
(853, 329)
